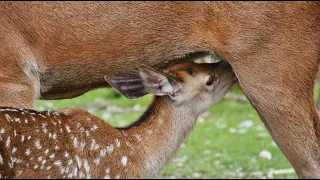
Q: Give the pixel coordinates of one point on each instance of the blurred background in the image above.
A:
(229, 140)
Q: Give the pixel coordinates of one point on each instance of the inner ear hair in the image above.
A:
(130, 87)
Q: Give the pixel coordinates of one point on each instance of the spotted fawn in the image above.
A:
(72, 143)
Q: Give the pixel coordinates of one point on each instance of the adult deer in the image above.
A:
(74, 144)
(61, 49)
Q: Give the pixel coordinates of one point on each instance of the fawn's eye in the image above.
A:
(210, 80)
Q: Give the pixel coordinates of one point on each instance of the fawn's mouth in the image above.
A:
(214, 57)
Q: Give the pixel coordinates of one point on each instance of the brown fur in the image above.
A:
(272, 46)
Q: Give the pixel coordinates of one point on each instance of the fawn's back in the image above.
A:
(33, 142)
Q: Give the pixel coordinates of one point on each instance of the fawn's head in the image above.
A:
(188, 83)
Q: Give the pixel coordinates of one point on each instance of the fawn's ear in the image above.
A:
(130, 87)
(158, 83)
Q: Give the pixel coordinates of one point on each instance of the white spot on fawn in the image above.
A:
(38, 145)
(2, 131)
(52, 156)
(28, 152)
(22, 138)
(1, 159)
(19, 161)
(110, 148)
(87, 168)
(8, 117)
(68, 129)
(107, 176)
(19, 172)
(10, 163)
(160, 121)
(94, 128)
(124, 160)
(70, 162)
(8, 142)
(97, 161)
(118, 142)
(82, 145)
(138, 136)
(124, 133)
(82, 130)
(94, 145)
(81, 175)
(66, 154)
(14, 149)
(103, 152)
(74, 173)
(75, 143)
(46, 152)
(78, 161)
(54, 136)
(58, 163)
(108, 170)
(17, 120)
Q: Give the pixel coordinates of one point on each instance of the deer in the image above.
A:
(61, 50)
(72, 143)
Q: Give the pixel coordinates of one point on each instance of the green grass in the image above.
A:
(217, 148)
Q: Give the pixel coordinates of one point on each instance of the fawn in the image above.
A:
(72, 143)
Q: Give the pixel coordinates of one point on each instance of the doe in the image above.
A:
(72, 143)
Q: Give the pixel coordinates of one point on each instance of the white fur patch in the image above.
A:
(32, 69)
(138, 136)
(8, 142)
(118, 142)
(124, 160)
(28, 152)
(110, 148)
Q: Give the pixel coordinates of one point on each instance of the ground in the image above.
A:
(229, 141)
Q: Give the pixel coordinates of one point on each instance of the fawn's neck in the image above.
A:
(160, 132)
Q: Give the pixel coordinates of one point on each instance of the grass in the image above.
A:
(225, 144)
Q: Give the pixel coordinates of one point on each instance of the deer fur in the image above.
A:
(72, 143)
(273, 48)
